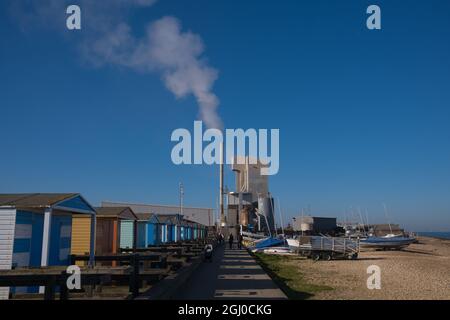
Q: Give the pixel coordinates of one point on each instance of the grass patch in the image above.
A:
(288, 277)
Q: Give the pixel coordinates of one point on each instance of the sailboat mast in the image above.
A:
(367, 218)
(301, 227)
(387, 217)
(281, 215)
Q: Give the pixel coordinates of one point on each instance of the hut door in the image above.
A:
(141, 235)
(36, 240)
(60, 240)
(126, 234)
(152, 234)
(104, 238)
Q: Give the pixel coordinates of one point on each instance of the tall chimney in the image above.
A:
(222, 212)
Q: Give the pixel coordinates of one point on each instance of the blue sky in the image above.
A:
(363, 115)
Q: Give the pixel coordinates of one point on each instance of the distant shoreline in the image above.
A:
(435, 235)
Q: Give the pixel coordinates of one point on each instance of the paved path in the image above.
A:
(233, 274)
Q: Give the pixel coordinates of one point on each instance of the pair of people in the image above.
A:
(220, 238)
(231, 241)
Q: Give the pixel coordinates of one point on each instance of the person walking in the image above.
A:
(230, 240)
(218, 239)
(240, 238)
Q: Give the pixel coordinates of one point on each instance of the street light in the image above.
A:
(181, 197)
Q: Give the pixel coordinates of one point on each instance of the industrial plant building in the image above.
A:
(250, 206)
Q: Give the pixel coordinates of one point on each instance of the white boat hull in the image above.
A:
(293, 243)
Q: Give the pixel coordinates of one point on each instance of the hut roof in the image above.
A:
(116, 212)
(168, 218)
(190, 223)
(34, 199)
(147, 217)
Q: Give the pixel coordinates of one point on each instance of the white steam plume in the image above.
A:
(165, 48)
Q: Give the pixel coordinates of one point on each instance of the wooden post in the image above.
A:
(64, 291)
(49, 289)
(134, 277)
(115, 239)
(92, 242)
(135, 232)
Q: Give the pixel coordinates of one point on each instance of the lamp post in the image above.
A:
(181, 197)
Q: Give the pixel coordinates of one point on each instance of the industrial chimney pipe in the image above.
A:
(222, 211)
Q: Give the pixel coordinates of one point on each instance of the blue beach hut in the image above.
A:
(177, 221)
(148, 233)
(169, 227)
(188, 230)
(36, 230)
(166, 227)
(183, 230)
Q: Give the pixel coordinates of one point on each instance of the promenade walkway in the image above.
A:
(233, 274)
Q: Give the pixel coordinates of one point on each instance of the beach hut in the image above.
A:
(110, 235)
(184, 226)
(162, 231)
(191, 230)
(193, 226)
(204, 232)
(196, 231)
(177, 221)
(115, 229)
(165, 223)
(36, 230)
(169, 227)
(200, 231)
(188, 232)
(148, 233)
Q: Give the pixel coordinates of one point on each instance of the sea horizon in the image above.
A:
(435, 234)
